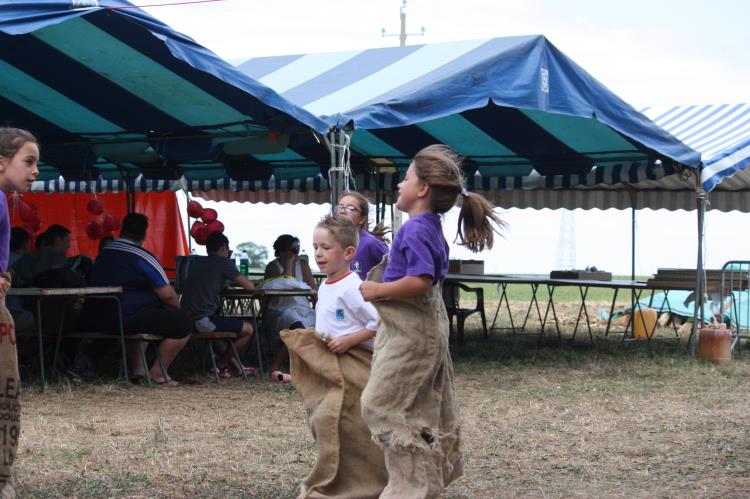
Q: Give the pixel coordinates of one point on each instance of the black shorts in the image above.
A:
(160, 319)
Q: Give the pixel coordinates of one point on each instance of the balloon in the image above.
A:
(209, 215)
(215, 226)
(194, 209)
(195, 227)
(26, 211)
(95, 207)
(110, 223)
(94, 230)
(202, 235)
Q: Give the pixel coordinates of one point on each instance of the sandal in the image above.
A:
(281, 377)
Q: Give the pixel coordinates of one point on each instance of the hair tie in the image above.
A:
(464, 193)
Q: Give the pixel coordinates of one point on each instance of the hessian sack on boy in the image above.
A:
(349, 463)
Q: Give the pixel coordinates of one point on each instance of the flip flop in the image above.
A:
(281, 377)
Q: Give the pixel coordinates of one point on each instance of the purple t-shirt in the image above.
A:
(369, 253)
(4, 233)
(419, 248)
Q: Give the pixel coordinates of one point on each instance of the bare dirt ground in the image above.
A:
(540, 420)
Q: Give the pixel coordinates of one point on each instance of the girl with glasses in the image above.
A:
(372, 243)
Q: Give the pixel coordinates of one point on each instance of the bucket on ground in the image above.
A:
(644, 321)
(715, 344)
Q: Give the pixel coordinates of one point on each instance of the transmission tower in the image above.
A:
(566, 244)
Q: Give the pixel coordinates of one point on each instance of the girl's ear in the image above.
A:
(424, 189)
(349, 252)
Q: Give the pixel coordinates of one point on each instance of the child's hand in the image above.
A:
(369, 290)
(342, 344)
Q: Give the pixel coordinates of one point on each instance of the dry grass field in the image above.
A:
(540, 420)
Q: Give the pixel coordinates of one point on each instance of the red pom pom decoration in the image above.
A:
(194, 209)
(110, 223)
(194, 228)
(94, 230)
(209, 215)
(95, 207)
(202, 235)
(215, 226)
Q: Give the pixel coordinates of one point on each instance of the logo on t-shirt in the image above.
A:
(356, 267)
(339, 314)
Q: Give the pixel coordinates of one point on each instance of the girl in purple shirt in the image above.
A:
(409, 403)
(372, 243)
(19, 155)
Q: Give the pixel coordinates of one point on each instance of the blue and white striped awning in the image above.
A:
(513, 107)
(112, 92)
(721, 133)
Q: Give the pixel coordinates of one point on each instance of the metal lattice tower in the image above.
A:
(566, 244)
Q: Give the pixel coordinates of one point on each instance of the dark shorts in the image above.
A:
(160, 319)
(231, 324)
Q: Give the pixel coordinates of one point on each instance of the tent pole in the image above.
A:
(632, 195)
(632, 243)
(187, 221)
(700, 284)
(330, 141)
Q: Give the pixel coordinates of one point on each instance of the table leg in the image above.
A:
(256, 333)
(551, 306)
(611, 311)
(503, 296)
(41, 341)
(583, 290)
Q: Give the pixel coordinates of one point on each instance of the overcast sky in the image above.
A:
(656, 52)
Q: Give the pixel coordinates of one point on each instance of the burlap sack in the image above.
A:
(409, 403)
(10, 404)
(349, 464)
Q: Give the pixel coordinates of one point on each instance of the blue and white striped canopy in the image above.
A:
(113, 92)
(516, 108)
(721, 133)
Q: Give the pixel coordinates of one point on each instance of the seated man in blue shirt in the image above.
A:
(149, 302)
(205, 279)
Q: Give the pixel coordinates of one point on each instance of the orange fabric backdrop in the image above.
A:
(165, 238)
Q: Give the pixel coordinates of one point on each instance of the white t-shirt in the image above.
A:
(341, 310)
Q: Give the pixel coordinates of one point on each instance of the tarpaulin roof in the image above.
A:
(111, 90)
(721, 133)
(509, 105)
(535, 129)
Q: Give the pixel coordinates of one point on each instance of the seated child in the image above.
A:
(330, 368)
(200, 301)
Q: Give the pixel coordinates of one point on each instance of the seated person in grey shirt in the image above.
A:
(200, 301)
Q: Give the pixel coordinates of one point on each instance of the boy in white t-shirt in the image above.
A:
(341, 314)
(330, 369)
